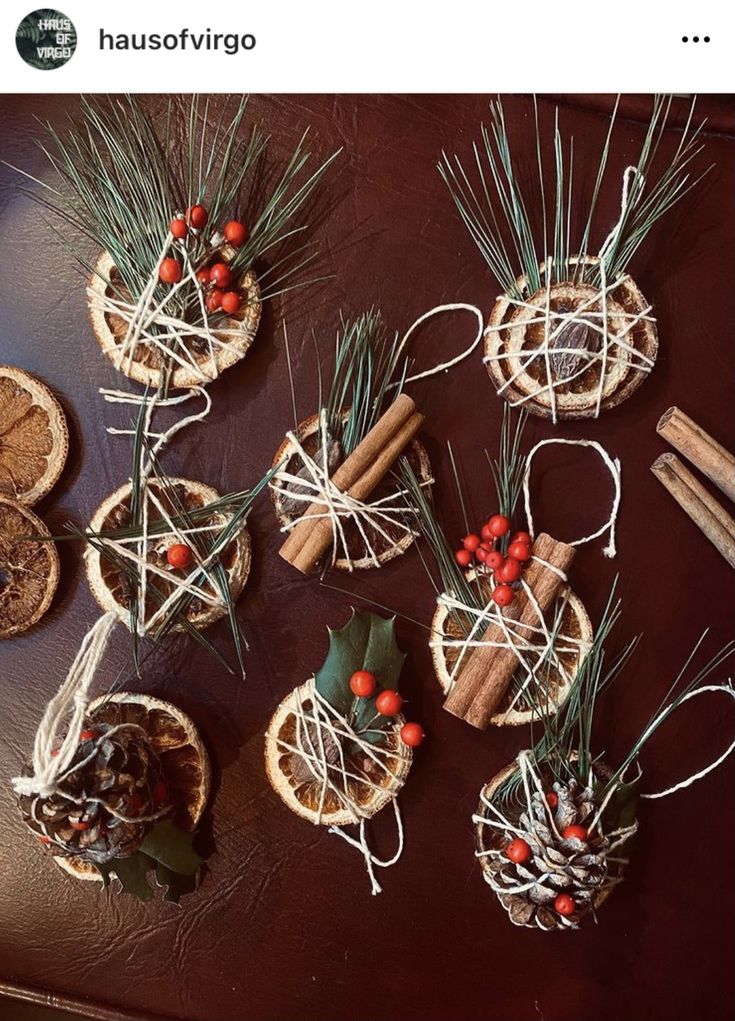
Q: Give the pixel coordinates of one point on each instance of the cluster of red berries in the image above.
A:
(506, 568)
(388, 703)
(217, 279)
(179, 556)
(519, 851)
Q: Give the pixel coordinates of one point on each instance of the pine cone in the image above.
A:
(579, 868)
(114, 773)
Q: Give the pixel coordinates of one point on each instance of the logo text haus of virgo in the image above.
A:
(46, 39)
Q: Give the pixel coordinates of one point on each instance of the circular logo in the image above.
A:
(46, 39)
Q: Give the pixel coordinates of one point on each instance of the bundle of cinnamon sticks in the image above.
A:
(489, 668)
(714, 461)
(357, 477)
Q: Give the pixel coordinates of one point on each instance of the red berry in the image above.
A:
(55, 752)
(80, 824)
(570, 832)
(220, 274)
(564, 905)
(235, 233)
(503, 595)
(486, 534)
(552, 800)
(481, 554)
(43, 839)
(362, 683)
(179, 555)
(519, 551)
(214, 300)
(230, 302)
(463, 557)
(159, 794)
(412, 734)
(170, 271)
(494, 559)
(498, 525)
(203, 276)
(388, 702)
(471, 542)
(509, 570)
(522, 537)
(89, 735)
(197, 216)
(518, 851)
(178, 228)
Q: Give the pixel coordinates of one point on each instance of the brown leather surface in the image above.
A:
(284, 926)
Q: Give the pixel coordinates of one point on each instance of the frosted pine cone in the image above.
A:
(106, 801)
(580, 870)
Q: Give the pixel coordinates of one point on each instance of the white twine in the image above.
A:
(555, 322)
(375, 516)
(68, 706)
(452, 307)
(726, 689)
(613, 466)
(320, 727)
(535, 646)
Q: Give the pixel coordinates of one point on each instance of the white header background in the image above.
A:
(392, 46)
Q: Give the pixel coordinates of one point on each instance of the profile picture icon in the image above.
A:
(46, 39)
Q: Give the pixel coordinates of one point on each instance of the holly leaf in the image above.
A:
(175, 885)
(366, 642)
(132, 873)
(622, 809)
(173, 847)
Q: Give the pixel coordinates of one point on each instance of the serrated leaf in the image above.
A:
(132, 873)
(366, 642)
(173, 847)
(175, 885)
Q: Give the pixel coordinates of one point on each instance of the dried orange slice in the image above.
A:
(574, 638)
(307, 434)
(177, 743)
(34, 439)
(194, 365)
(368, 786)
(111, 586)
(29, 568)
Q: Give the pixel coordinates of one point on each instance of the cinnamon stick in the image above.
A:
(484, 680)
(357, 476)
(701, 506)
(704, 452)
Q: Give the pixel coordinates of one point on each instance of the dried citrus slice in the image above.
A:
(34, 439)
(307, 434)
(574, 638)
(194, 364)
(370, 788)
(111, 585)
(514, 333)
(177, 743)
(29, 568)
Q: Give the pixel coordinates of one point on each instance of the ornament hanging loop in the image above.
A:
(452, 307)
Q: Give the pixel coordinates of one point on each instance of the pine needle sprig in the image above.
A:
(509, 468)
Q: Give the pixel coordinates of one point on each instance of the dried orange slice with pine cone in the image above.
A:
(29, 568)
(34, 438)
(332, 756)
(115, 576)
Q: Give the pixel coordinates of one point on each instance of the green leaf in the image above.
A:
(174, 884)
(168, 844)
(366, 642)
(622, 809)
(132, 873)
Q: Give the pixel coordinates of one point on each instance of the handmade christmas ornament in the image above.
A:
(509, 634)
(29, 568)
(553, 829)
(338, 748)
(174, 297)
(34, 439)
(334, 487)
(117, 786)
(571, 335)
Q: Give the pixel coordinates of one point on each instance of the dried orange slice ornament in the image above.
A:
(34, 439)
(29, 568)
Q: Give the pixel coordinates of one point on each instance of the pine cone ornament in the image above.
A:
(546, 869)
(107, 799)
